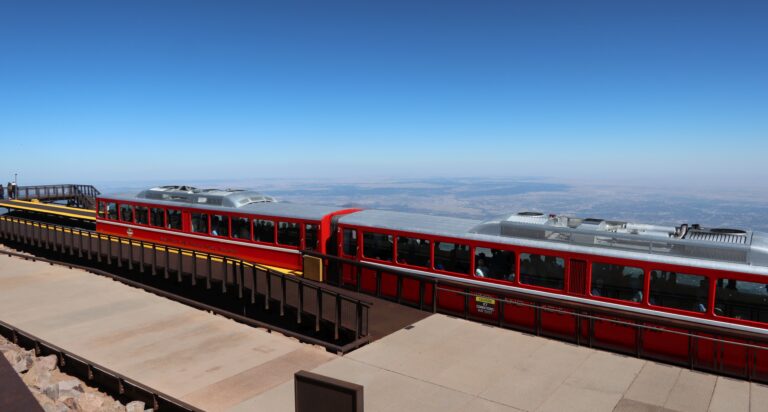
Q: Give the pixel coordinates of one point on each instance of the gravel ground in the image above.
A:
(56, 391)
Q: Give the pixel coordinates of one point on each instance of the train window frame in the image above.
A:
(494, 264)
(248, 225)
(226, 226)
(112, 211)
(101, 211)
(316, 236)
(673, 274)
(290, 241)
(725, 285)
(145, 211)
(354, 240)
(637, 294)
(129, 207)
(257, 221)
(153, 213)
(524, 277)
(402, 260)
(456, 245)
(375, 236)
(168, 221)
(195, 219)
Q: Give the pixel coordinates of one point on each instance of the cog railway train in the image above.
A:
(714, 277)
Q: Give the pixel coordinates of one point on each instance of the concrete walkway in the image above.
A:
(447, 364)
(205, 360)
(440, 364)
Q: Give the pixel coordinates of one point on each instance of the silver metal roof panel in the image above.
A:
(411, 222)
(277, 209)
(233, 198)
(290, 210)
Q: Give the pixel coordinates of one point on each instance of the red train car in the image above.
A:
(715, 277)
(235, 223)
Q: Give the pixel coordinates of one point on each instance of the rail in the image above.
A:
(83, 196)
(504, 303)
(115, 384)
(247, 292)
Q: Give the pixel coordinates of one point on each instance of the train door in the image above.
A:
(330, 246)
(186, 221)
(348, 248)
(577, 277)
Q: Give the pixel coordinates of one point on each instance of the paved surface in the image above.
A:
(441, 364)
(203, 359)
(447, 364)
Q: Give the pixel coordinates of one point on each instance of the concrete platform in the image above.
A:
(205, 360)
(440, 364)
(447, 364)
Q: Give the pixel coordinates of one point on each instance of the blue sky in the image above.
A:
(649, 91)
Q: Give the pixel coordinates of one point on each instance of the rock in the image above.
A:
(135, 406)
(37, 376)
(70, 402)
(8, 347)
(56, 407)
(16, 360)
(51, 391)
(48, 362)
(70, 389)
(115, 406)
(89, 402)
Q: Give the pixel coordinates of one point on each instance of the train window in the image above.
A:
(241, 228)
(199, 222)
(142, 215)
(377, 246)
(173, 220)
(112, 211)
(126, 213)
(288, 233)
(102, 209)
(157, 217)
(413, 251)
(452, 257)
(541, 270)
(740, 299)
(494, 264)
(679, 291)
(617, 282)
(310, 237)
(264, 231)
(220, 225)
(350, 242)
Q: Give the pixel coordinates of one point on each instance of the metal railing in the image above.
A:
(247, 292)
(586, 324)
(78, 195)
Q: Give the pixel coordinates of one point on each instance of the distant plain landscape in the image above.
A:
(478, 198)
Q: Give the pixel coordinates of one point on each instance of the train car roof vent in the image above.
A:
(255, 199)
(535, 218)
(730, 236)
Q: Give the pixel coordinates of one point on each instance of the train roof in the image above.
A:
(669, 244)
(215, 197)
(411, 222)
(228, 200)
